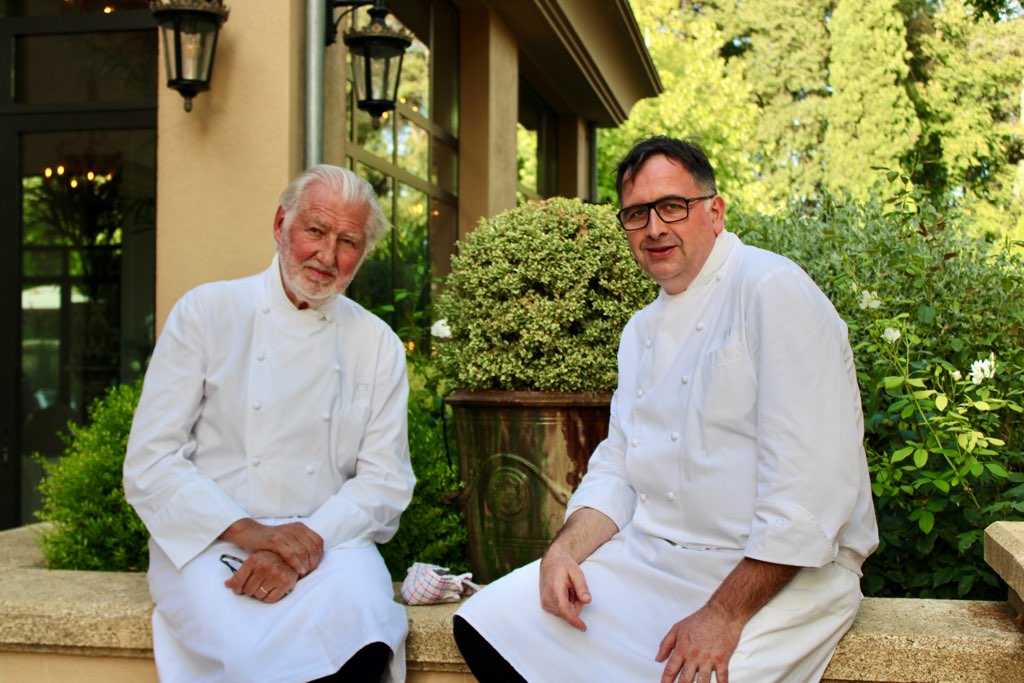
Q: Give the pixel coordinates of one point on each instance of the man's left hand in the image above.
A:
(699, 644)
(704, 641)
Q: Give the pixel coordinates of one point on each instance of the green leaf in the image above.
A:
(926, 521)
(941, 402)
(981, 405)
(891, 382)
(901, 454)
(997, 469)
(920, 457)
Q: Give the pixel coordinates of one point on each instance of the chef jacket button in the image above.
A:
(337, 367)
(326, 417)
(648, 343)
(675, 436)
(265, 310)
(635, 442)
(323, 318)
(261, 356)
(257, 405)
(671, 495)
(639, 393)
(256, 462)
(700, 327)
(718, 277)
(686, 379)
(309, 469)
(643, 497)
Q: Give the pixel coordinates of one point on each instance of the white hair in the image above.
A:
(348, 186)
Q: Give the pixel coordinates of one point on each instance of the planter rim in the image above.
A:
(462, 397)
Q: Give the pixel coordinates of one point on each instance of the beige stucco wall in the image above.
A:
(221, 167)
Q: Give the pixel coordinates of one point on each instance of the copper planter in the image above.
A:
(521, 454)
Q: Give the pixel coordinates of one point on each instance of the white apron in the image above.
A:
(641, 586)
(252, 408)
(204, 633)
(736, 431)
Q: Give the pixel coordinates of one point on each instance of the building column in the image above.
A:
(488, 112)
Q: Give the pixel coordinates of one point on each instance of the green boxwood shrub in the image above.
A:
(925, 302)
(93, 527)
(537, 299)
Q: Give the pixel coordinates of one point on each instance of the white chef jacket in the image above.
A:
(254, 408)
(736, 431)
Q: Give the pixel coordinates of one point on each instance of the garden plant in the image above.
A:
(936, 318)
(537, 298)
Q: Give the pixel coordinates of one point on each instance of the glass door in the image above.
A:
(77, 206)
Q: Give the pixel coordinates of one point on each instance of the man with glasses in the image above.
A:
(720, 529)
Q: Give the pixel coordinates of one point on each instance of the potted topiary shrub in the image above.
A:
(534, 306)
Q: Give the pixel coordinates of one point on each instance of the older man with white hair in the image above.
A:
(269, 456)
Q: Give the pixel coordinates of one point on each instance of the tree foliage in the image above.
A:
(783, 46)
(705, 98)
(837, 91)
(970, 89)
(871, 119)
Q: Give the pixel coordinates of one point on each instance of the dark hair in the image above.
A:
(686, 152)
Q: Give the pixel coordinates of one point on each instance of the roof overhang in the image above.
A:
(584, 57)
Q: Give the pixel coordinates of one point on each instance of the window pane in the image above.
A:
(413, 87)
(412, 264)
(526, 160)
(42, 262)
(85, 67)
(445, 76)
(87, 238)
(372, 284)
(412, 146)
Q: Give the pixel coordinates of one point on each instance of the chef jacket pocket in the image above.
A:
(727, 394)
(347, 432)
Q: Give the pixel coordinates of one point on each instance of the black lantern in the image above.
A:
(189, 29)
(377, 51)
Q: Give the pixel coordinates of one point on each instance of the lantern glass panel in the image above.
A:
(192, 59)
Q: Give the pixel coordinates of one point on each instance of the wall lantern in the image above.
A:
(189, 29)
(377, 51)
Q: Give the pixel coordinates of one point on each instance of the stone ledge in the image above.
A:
(108, 615)
(1004, 552)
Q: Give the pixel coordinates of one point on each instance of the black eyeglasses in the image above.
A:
(669, 210)
(231, 562)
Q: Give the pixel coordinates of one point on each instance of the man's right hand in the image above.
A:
(563, 588)
(296, 544)
(263, 576)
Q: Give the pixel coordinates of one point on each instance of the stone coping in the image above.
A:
(893, 639)
(1004, 552)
